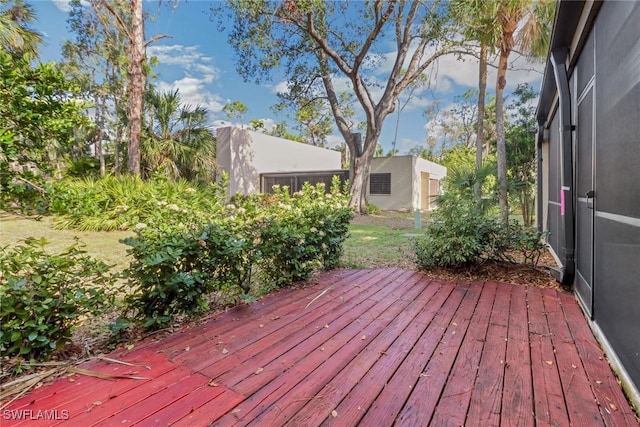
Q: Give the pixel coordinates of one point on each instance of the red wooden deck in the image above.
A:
(361, 347)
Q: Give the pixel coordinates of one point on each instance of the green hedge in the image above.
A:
(259, 241)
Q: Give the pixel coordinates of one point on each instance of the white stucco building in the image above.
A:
(255, 162)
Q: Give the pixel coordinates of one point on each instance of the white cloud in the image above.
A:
(64, 5)
(193, 91)
(199, 72)
(187, 57)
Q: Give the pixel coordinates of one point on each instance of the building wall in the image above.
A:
(617, 177)
(406, 185)
(245, 155)
(605, 88)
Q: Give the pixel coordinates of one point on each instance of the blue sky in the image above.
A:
(197, 60)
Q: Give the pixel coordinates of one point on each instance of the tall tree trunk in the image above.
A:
(136, 86)
(482, 89)
(500, 136)
(100, 113)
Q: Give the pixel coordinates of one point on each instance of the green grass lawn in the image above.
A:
(100, 245)
(372, 246)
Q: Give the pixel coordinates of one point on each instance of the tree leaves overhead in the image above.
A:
(376, 49)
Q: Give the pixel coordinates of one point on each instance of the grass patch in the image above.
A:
(373, 246)
(103, 245)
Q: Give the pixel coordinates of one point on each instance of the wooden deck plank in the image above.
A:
(327, 356)
(388, 354)
(614, 407)
(424, 396)
(393, 397)
(69, 385)
(373, 354)
(73, 398)
(549, 405)
(263, 311)
(119, 398)
(581, 403)
(357, 402)
(187, 404)
(212, 410)
(163, 397)
(249, 332)
(383, 314)
(517, 400)
(454, 402)
(486, 398)
(314, 324)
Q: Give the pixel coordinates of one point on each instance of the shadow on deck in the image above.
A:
(367, 347)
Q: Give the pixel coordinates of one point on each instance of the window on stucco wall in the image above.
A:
(380, 183)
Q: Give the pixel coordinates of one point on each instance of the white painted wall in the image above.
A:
(245, 155)
(405, 181)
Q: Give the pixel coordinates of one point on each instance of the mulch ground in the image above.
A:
(517, 274)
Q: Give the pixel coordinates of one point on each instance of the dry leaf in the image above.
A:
(261, 325)
(130, 346)
(598, 382)
(225, 351)
(364, 337)
(97, 403)
(613, 406)
(334, 413)
(258, 371)
(187, 348)
(454, 324)
(574, 366)
(326, 326)
(549, 362)
(212, 383)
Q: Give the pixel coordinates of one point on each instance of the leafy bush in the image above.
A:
(122, 202)
(44, 296)
(263, 241)
(462, 235)
(371, 209)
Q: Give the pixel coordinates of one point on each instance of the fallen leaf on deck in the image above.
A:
(364, 337)
(225, 351)
(212, 383)
(613, 406)
(549, 362)
(334, 413)
(258, 371)
(187, 348)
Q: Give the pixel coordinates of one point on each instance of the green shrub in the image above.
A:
(463, 235)
(371, 209)
(122, 202)
(44, 296)
(258, 241)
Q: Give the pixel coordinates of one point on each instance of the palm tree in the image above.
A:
(177, 142)
(478, 19)
(15, 35)
(523, 24)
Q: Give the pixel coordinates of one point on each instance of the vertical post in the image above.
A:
(417, 219)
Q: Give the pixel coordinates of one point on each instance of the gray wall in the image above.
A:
(617, 161)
